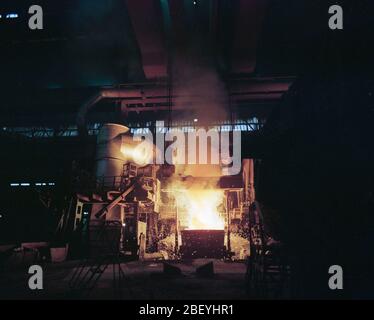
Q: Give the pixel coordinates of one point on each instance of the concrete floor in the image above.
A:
(144, 280)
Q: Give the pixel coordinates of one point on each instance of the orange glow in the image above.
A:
(202, 207)
(141, 154)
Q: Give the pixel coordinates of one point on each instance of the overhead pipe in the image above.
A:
(157, 93)
(124, 93)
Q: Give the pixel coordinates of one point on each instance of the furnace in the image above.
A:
(170, 211)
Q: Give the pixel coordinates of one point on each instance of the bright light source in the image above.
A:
(45, 184)
(11, 16)
(195, 120)
(140, 153)
(123, 224)
(197, 201)
(85, 213)
(27, 184)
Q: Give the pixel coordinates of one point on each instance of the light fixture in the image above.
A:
(11, 16)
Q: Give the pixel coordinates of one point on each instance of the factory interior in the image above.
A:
(281, 107)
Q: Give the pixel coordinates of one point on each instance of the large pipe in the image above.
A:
(133, 95)
(103, 94)
(271, 88)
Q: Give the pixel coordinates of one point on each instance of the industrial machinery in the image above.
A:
(166, 211)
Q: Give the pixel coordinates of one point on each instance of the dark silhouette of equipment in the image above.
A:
(104, 252)
(267, 269)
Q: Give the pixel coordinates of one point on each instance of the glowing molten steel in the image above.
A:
(202, 207)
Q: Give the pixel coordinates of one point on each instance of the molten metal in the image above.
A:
(203, 208)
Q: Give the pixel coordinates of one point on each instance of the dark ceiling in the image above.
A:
(88, 44)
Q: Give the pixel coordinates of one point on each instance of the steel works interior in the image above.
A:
(94, 190)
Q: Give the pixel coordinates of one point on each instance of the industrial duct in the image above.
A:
(266, 88)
